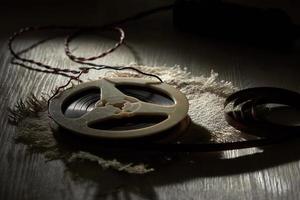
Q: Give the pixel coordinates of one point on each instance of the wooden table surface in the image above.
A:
(273, 173)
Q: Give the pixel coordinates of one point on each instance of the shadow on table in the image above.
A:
(170, 167)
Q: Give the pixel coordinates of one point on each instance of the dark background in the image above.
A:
(272, 174)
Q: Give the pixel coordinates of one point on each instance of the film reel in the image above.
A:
(264, 111)
(120, 108)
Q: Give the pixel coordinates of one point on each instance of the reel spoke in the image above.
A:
(109, 92)
(99, 114)
(154, 109)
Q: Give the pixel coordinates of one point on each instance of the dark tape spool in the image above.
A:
(244, 115)
(284, 95)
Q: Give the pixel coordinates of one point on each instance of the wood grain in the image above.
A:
(269, 173)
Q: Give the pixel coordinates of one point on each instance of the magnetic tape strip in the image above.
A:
(119, 112)
(119, 109)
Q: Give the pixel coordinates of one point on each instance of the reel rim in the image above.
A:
(180, 110)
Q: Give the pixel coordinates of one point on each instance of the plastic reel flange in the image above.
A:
(113, 105)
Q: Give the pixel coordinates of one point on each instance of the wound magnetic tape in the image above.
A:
(121, 109)
(264, 111)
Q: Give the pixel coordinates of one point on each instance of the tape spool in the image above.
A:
(264, 111)
(120, 108)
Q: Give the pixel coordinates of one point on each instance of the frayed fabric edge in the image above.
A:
(33, 108)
